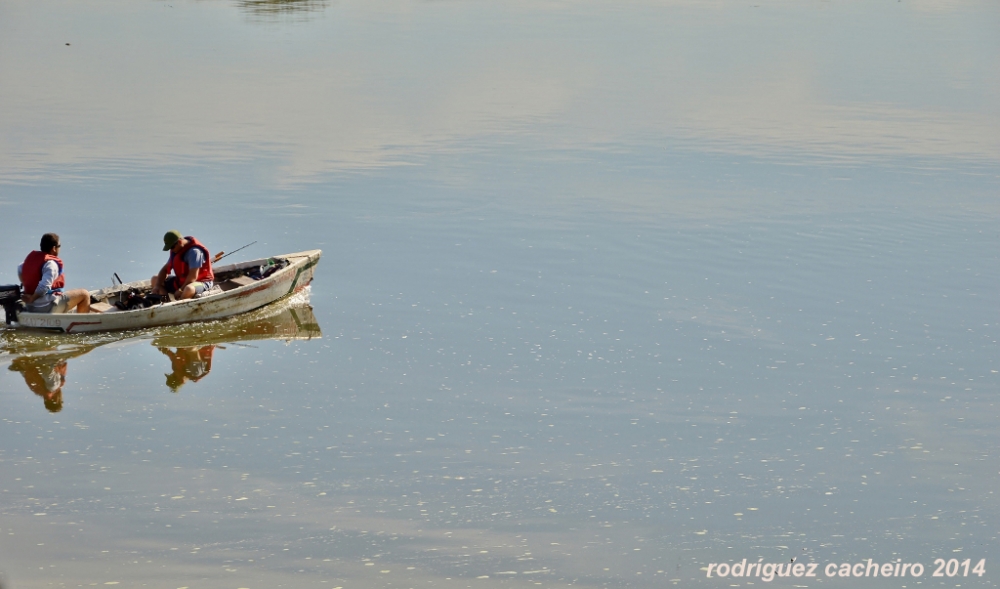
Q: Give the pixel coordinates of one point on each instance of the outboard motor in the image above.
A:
(10, 300)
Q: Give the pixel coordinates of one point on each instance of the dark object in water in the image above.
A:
(10, 299)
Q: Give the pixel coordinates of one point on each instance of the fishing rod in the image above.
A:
(220, 255)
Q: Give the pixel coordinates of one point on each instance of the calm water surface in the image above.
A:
(609, 292)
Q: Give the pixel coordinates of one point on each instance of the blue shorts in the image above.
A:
(199, 287)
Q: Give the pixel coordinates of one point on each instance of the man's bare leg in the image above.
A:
(79, 298)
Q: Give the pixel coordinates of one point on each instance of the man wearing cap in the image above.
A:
(191, 264)
(42, 276)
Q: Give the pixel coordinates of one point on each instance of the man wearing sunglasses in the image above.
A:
(41, 275)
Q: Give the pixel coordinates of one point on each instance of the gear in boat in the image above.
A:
(135, 298)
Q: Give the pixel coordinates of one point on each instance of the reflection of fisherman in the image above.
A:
(45, 378)
(188, 364)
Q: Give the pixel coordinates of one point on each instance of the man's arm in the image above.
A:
(163, 272)
(191, 275)
(194, 259)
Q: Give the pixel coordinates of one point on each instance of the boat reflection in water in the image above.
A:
(42, 357)
(190, 347)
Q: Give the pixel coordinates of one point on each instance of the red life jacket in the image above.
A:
(31, 271)
(180, 267)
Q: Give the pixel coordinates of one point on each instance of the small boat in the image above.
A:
(239, 288)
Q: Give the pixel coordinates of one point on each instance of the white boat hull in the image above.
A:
(296, 276)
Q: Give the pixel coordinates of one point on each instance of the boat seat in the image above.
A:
(236, 283)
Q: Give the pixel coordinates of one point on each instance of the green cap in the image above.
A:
(170, 238)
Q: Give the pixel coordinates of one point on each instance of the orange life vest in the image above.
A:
(180, 267)
(31, 271)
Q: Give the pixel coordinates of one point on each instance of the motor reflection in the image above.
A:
(42, 358)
